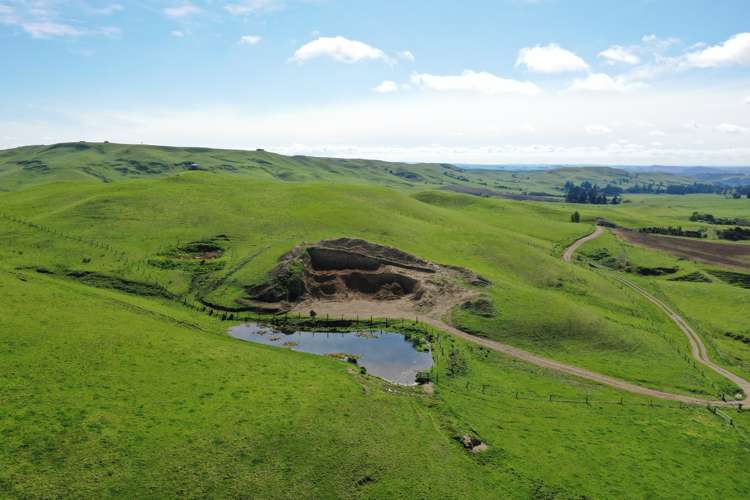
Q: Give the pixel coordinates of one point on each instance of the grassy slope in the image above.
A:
(552, 181)
(110, 391)
(140, 418)
(97, 162)
(587, 320)
(669, 210)
(132, 404)
(105, 162)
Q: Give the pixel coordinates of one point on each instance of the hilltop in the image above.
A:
(108, 162)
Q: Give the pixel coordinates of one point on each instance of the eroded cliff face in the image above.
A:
(352, 269)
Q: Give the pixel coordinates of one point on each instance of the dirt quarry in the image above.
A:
(352, 276)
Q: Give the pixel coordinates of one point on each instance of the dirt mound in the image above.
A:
(348, 269)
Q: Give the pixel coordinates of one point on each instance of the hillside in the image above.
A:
(125, 266)
(105, 162)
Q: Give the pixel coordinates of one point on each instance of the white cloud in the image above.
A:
(730, 128)
(619, 54)
(659, 44)
(177, 33)
(602, 82)
(423, 126)
(181, 11)
(747, 100)
(550, 59)
(472, 81)
(386, 87)
(49, 29)
(595, 129)
(41, 19)
(339, 49)
(406, 55)
(248, 7)
(735, 51)
(250, 40)
(656, 133)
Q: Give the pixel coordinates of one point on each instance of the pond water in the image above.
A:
(387, 355)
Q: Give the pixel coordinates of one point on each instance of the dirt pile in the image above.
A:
(349, 269)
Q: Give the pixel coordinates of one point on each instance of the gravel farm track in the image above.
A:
(697, 347)
(436, 319)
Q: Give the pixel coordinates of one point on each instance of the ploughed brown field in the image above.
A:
(724, 254)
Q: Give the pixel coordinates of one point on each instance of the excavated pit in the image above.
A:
(349, 269)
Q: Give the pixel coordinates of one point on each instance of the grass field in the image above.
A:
(117, 379)
(137, 398)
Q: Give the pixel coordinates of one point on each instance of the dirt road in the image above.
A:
(402, 308)
(572, 249)
(697, 347)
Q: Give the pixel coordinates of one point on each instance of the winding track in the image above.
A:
(698, 349)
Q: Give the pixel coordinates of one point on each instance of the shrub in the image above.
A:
(424, 378)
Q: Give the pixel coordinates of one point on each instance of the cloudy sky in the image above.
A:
(474, 81)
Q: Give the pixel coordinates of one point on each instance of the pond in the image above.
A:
(387, 355)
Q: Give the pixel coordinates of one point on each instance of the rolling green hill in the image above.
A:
(105, 162)
(119, 383)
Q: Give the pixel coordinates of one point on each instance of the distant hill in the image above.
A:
(107, 162)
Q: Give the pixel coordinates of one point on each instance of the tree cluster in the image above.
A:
(591, 193)
(734, 234)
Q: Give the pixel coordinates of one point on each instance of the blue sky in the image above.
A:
(503, 81)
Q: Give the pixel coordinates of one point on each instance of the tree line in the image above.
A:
(719, 221)
(682, 189)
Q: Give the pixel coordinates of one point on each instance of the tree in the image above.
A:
(576, 217)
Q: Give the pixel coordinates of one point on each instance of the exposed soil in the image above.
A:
(433, 290)
(350, 272)
(723, 254)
